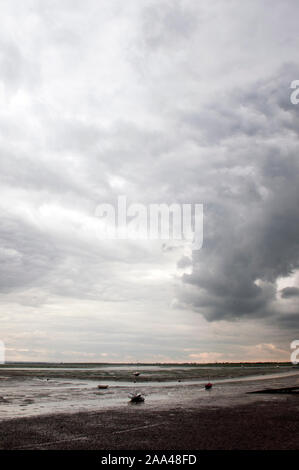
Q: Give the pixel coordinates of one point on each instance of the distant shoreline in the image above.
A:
(144, 364)
(148, 373)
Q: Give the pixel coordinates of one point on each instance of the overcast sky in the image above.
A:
(182, 101)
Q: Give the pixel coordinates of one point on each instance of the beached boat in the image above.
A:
(102, 386)
(209, 385)
(136, 397)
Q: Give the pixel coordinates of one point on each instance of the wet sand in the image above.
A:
(267, 426)
(32, 396)
(189, 418)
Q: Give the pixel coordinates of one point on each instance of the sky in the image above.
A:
(163, 101)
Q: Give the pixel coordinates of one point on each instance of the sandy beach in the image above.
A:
(174, 416)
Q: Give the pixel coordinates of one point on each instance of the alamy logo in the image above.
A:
(295, 354)
(151, 222)
(2, 352)
(295, 94)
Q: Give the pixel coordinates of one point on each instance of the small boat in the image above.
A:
(102, 386)
(136, 398)
(136, 374)
(209, 385)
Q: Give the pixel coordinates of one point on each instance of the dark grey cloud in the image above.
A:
(289, 292)
(251, 230)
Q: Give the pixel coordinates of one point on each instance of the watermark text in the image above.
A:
(151, 222)
(2, 352)
(295, 353)
(294, 97)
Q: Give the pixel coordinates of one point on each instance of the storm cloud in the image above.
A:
(288, 292)
(251, 226)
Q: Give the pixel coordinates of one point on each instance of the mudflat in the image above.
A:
(265, 424)
(74, 414)
(262, 425)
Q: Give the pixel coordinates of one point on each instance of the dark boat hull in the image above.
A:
(137, 399)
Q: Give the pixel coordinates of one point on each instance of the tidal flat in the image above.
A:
(44, 407)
